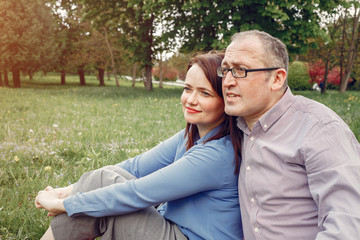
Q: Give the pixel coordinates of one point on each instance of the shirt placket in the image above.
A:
(250, 180)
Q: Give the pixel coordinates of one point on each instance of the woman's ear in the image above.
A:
(279, 79)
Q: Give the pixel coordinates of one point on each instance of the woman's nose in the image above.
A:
(192, 98)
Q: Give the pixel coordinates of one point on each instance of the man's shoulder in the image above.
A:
(313, 110)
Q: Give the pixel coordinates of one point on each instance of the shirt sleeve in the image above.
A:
(158, 157)
(200, 169)
(332, 162)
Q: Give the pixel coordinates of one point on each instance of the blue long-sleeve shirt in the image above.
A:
(199, 187)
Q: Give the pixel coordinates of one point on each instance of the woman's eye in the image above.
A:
(186, 89)
(205, 93)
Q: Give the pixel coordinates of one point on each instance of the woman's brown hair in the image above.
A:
(209, 62)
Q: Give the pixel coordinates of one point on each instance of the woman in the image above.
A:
(194, 174)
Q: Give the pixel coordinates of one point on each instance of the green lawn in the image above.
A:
(51, 134)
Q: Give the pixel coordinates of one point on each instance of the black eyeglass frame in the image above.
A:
(220, 72)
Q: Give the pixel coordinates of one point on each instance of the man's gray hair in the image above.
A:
(275, 51)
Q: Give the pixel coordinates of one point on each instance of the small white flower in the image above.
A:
(55, 125)
(79, 133)
(31, 131)
(47, 168)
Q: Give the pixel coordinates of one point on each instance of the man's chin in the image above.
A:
(231, 110)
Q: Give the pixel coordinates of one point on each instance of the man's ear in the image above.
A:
(279, 79)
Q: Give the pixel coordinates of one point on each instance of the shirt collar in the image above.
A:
(272, 115)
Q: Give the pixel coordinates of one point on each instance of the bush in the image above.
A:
(298, 78)
(317, 73)
(169, 73)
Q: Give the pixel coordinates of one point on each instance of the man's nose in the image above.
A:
(228, 80)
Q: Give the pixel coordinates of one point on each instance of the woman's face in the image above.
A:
(201, 104)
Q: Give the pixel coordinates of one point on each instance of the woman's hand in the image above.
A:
(50, 200)
(64, 192)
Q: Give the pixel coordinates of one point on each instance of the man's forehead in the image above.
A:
(242, 52)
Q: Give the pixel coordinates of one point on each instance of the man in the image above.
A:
(300, 170)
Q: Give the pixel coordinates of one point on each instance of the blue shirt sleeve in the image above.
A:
(154, 159)
(161, 180)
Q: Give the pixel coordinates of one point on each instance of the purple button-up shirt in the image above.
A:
(300, 174)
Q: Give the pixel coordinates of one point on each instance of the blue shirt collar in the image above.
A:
(208, 135)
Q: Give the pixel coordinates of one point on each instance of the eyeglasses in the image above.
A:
(240, 72)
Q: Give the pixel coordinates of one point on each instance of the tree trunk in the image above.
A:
(323, 88)
(81, 75)
(63, 74)
(352, 53)
(6, 78)
(342, 48)
(134, 74)
(148, 83)
(108, 75)
(148, 39)
(1, 83)
(16, 77)
(101, 76)
(161, 72)
(30, 76)
(112, 58)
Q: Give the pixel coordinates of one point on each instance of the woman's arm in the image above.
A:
(154, 159)
(202, 168)
(141, 165)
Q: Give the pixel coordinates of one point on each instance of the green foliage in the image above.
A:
(298, 77)
(26, 35)
(204, 25)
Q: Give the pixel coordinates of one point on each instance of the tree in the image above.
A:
(339, 46)
(25, 31)
(134, 21)
(326, 46)
(353, 40)
(206, 24)
(78, 37)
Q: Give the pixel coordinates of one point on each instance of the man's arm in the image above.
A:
(332, 160)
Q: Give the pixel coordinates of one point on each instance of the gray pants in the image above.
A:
(145, 224)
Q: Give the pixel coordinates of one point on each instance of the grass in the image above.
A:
(51, 134)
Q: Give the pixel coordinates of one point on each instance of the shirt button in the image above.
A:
(248, 168)
(252, 200)
(252, 139)
(256, 229)
(265, 126)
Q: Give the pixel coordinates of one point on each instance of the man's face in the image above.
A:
(248, 97)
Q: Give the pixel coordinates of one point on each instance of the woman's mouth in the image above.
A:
(191, 110)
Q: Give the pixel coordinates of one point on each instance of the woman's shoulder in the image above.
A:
(222, 146)
(223, 142)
